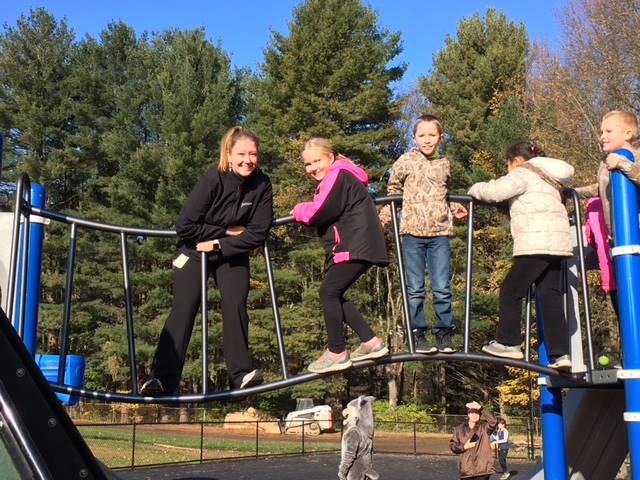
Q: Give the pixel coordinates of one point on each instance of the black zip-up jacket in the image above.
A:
(221, 200)
(346, 218)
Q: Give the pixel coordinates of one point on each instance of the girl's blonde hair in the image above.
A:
(428, 118)
(229, 139)
(324, 145)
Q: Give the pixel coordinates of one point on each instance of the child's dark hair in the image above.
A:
(526, 150)
(428, 118)
(502, 420)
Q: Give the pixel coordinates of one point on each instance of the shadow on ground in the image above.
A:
(316, 467)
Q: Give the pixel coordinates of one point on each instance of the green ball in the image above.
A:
(603, 360)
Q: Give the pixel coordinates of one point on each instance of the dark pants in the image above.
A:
(502, 459)
(232, 278)
(546, 272)
(338, 278)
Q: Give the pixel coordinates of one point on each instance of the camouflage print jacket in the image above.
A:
(423, 184)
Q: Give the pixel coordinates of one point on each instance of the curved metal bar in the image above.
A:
(24, 264)
(403, 277)
(276, 311)
(23, 184)
(103, 227)
(204, 275)
(131, 339)
(467, 288)
(307, 377)
(68, 294)
(583, 276)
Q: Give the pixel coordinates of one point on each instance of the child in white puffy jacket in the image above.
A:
(541, 240)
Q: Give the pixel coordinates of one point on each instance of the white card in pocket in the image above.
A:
(180, 260)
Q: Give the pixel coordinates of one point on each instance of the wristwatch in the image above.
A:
(216, 245)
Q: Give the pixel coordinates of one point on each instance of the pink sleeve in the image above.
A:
(303, 212)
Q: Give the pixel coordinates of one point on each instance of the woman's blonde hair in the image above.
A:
(229, 139)
(324, 145)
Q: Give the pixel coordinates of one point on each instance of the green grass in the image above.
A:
(113, 445)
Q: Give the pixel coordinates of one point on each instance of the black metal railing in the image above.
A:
(145, 444)
(23, 210)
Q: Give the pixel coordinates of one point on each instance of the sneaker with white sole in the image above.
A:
(328, 363)
(444, 340)
(504, 351)
(251, 379)
(368, 353)
(421, 344)
(563, 362)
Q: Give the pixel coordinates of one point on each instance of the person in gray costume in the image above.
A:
(357, 441)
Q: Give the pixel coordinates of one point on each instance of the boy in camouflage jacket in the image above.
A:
(422, 175)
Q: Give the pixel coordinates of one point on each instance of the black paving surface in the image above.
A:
(316, 467)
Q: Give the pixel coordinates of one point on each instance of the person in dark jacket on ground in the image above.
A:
(344, 214)
(471, 441)
(227, 214)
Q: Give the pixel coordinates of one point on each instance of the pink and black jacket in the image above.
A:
(346, 218)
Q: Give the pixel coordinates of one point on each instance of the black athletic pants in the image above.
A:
(232, 278)
(337, 280)
(546, 272)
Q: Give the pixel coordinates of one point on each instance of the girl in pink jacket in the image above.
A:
(347, 222)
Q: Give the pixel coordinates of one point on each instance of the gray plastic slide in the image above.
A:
(595, 433)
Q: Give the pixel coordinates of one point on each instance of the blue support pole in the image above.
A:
(34, 268)
(626, 254)
(554, 454)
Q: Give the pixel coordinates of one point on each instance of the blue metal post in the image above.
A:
(34, 268)
(554, 454)
(626, 254)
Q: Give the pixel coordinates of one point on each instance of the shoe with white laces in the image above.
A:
(327, 362)
(504, 351)
(563, 362)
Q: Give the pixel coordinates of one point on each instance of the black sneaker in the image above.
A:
(421, 343)
(444, 339)
(152, 388)
(251, 379)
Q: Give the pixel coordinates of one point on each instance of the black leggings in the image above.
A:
(337, 280)
(232, 277)
(546, 272)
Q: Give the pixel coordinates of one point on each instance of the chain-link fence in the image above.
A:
(129, 445)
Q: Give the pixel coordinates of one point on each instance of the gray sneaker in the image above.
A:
(367, 353)
(562, 362)
(326, 363)
(505, 351)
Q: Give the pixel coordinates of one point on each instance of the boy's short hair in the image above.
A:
(628, 119)
(502, 421)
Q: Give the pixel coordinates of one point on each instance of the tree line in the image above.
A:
(118, 129)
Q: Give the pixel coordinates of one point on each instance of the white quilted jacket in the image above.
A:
(539, 220)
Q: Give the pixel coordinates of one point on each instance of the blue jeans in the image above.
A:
(433, 253)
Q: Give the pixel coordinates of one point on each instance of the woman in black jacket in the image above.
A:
(228, 213)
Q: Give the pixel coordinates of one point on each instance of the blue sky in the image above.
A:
(244, 27)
